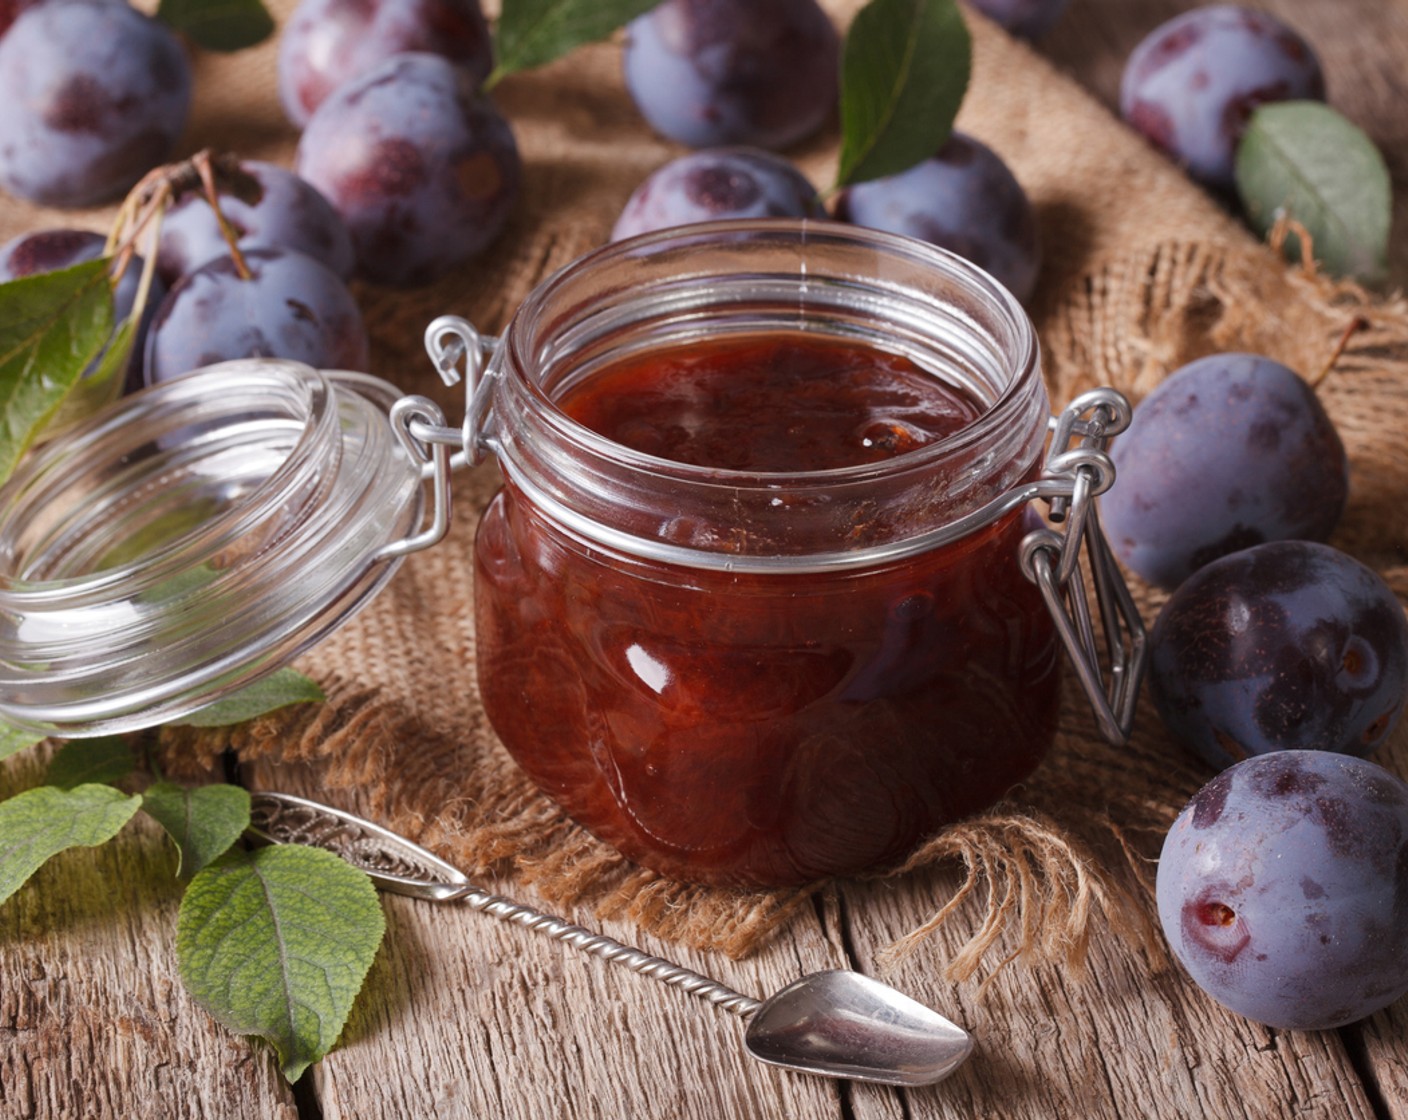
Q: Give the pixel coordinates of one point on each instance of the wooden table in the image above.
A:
(463, 1018)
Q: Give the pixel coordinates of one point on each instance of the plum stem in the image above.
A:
(141, 211)
(1357, 324)
(161, 187)
(202, 162)
(1284, 227)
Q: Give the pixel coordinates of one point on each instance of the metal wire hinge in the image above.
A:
(420, 425)
(411, 416)
(450, 340)
(1078, 462)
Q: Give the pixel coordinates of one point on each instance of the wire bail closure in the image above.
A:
(1078, 469)
(411, 418)
(449, 340)
(420, 425)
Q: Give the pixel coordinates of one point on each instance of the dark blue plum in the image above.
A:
(1290, 645)
(710, 73)
(51, 250)
(328, 42)
(1230, 451)
(95, 96)
(715, 184)
(963, 199)
(291, 306)
(1283, 889)
(1031, 19)
(268, 207)
(1194, 82)
(418, 163)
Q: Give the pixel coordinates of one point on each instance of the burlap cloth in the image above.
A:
(1142, 273)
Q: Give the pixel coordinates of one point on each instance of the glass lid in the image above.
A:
(194, 537)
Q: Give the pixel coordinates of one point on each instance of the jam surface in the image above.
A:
(775, 405)
(763, 727)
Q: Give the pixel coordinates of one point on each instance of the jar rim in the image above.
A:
(802, 231)
(695, 284)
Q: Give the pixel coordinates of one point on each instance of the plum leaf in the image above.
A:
(218, 25)
(40, 823)
(13, 740)
(1305, 160)
(534, 32)
(82, 761)
(277, 943)
(52, 327)
(904, 70)
(278, 690)
(202, 822)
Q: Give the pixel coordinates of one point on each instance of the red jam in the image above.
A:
(768, 727)
(773, 405)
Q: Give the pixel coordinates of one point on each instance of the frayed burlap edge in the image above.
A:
(1072, 847)
(1040, 881)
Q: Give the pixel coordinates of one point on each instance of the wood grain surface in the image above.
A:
(465, 1017)
(94, 1021)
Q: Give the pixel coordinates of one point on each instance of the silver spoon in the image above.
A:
(835, 1023)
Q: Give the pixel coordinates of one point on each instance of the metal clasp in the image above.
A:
(450, 340)
(421, 429)
(411, 416)
(1079, 469)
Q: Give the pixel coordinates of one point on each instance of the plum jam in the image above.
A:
(745, 606)
(775, 404)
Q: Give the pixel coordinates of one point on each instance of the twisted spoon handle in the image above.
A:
(399, 865)
(607, 948)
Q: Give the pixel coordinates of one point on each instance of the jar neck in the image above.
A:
(740, 279)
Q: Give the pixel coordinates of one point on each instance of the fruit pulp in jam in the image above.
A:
(771, 727)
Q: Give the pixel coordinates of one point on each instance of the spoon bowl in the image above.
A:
(844, 1024)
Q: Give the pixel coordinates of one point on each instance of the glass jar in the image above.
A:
(766, 677)
(191, 538)
(732, 675)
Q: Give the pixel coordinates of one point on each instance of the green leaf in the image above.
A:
(277, 943)
(218, 25)
(102, 384)
(1303, 158)
(81, 761)
(43, 822)
(52, 326)
(534, 32)
(204, 822)
(277, 690)
(904, 70)
(13, 740)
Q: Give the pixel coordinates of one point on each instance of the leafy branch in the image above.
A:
(275, 943)
(62, 356)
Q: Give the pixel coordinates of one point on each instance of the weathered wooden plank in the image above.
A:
(1129, 1042)
(464, 1016)
(467, 1018)
(1381, 1040)
(94, 1022)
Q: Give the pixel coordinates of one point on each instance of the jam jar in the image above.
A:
(764, 597)
(756, 602)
